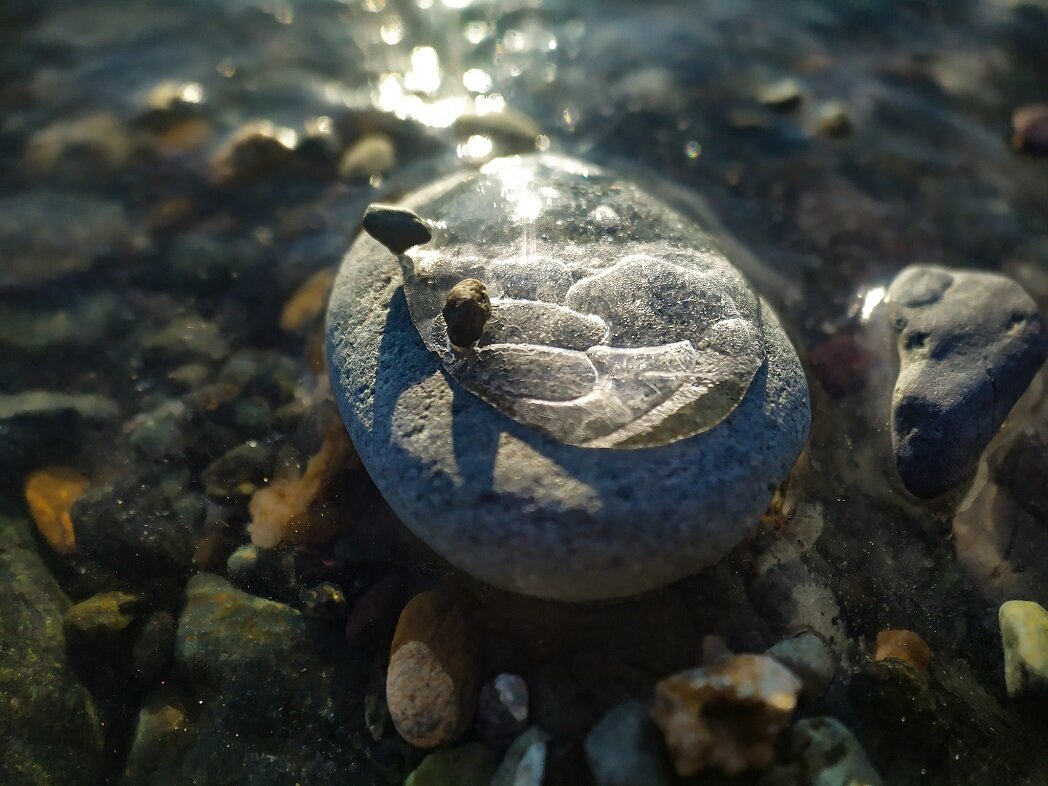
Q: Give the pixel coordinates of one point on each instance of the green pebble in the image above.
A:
(466, 765)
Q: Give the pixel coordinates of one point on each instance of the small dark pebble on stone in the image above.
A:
(395, 228)
(466, 311)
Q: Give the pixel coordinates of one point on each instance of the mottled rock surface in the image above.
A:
(969, 344)
(625, 749)
(49, 732)
(431, 683)
(273, 694)
(822, 752)
(469, 480)
(725, 716)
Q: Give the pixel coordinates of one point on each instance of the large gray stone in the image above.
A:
(969, 344)
(522, 510)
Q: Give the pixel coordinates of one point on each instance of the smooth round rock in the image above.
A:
(515, 507)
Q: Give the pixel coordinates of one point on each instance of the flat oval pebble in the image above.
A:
(616, 323)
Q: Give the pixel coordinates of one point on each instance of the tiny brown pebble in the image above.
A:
(431, 684)
(466, 311)
(1030, 129)
(904, 645)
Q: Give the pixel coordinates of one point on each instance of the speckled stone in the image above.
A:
(518, 509)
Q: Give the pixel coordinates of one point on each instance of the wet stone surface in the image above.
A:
(721, 365)
(178, 185)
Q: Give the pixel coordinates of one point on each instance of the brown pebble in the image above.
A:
(431, 684)
(50, 494)
(725, 716)
(904, 645)
(466, 311)
(1030, 129)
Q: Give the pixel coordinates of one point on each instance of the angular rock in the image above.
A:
(467, 479)
(625, 749)
(809, 658)
(431, 684)
(273, 694)
(525, 762)
(1024, 634)
(467, 765)
(725, 716)
(140, 528)
(49, 730)
(100, 620)
(969, 344)
(502, 708)
(822, 752)
(239, 473)
(50, 494)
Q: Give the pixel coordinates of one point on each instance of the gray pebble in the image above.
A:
(626, 749)
(969, 344)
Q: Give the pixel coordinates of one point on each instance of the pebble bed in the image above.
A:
(200, 583)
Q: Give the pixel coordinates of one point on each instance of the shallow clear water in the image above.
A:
(172, 281)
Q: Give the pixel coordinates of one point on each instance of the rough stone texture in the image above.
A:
(822, 752)
(273, 694)
(49, 732)
(725, 716)
(969, 344)
(624, 749)
(1024, 634)
(431, 683)
(520, 510)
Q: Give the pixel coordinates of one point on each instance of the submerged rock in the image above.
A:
(467, 765)
(725, 716)
(624, 749)
(431, 684)
(273, 694)
(502, 708)
(969, 344)
(1024, 634)
(49, 730)
(525, 762)
(694, 374)
(47, 235)
(822, 752)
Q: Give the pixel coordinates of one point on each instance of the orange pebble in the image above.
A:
(50, 494)
(904, 645)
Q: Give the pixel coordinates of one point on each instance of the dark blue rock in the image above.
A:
(969, 345)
